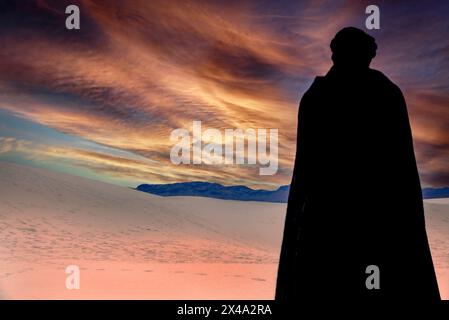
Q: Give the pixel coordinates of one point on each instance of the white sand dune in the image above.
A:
(437, 223)
(130, 244)
(133, 245)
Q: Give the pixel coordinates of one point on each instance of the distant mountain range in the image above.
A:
(242, 193)
(215, 190)
(431, 193)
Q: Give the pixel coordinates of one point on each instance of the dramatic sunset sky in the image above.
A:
(102, 101)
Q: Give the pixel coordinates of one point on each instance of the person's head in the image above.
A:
(352, 48)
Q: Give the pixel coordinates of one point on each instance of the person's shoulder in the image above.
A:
(318, 82)
(316, 87)
(311, 94)
(381, 79)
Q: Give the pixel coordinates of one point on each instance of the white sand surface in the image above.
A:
(130, 244)
(133, 245)
(437, 225)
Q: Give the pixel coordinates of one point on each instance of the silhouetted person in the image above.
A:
(355, 198)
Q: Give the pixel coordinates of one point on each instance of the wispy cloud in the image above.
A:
(136, 70)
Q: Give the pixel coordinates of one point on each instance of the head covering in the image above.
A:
(352, 47)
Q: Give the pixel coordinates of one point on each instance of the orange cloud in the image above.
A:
(137, 70)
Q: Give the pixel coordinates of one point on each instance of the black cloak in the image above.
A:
(355, 197)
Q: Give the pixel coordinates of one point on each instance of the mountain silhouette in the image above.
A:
(433, 193)
(243, 193)
(215, 190)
